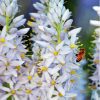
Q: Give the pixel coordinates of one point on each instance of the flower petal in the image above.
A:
(4, 89)
(16, 97)
(61, 59)
(5, 96)
(16, 63)
(48, 55)
(60, 89)
(95, 23)
(59, 46)
(41, 43)
(74, 32)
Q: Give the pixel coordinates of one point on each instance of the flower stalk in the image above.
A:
(96, 75)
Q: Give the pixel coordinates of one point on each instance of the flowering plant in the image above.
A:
(51, 72)
(96, 75)
(55, 49)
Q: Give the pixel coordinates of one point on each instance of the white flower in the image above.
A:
(74, 32)
(68, 24)
(18, 21)
(73, 38)
(28, 76)
(12, 9)
(96, 76)
(55, 83)
(30, 91)
(95, 23)
(97, 9)
(58, 53)
(55, 48)
(5, 39)
(13, 90)
(47, 71)
(8, 65)
(8, 10)
(19, 47)
(66, 15)
(22, 31)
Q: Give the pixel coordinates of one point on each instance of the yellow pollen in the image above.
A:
(15, 46)
(7, 64)
(29, 78)
(13, 92)
(39, 83)
(33, 18)
(29, 23)
(44, 68)
(53, 82)
(55, 53)
(72, 81)
(2, 40)
(36, 75)
(39, 71)
(22, 55)
(28, 91)
(18, 68)
(38, 98)
(72, 46)
(60, 94)
(72, 72)
(63, 64)
(97, 61)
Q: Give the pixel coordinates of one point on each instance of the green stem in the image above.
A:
(59, 39)
(58, 33)
(7, 23)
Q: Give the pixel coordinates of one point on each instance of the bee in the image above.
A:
(80, 55)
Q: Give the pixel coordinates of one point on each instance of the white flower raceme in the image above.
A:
(96, 75)
(55, 49)
(12, 51)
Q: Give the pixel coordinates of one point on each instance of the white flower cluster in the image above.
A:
(52, 71)
(54, 50)
(96, 74)
(12, 50)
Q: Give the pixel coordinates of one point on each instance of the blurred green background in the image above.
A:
(82, 13)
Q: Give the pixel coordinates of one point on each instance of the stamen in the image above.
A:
(72, 81)
(44, 68)
(53, 82)
(55, 53)
(2, 40)
(28, 91)
(72, 46)
(18, 68)
(72, 72)
(13, 92)
(60, 94)
(29, 78)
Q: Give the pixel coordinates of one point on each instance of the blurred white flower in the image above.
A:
(13, 90)
(5, 39)
(55, 48)
(97, 9)
(96, 75)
